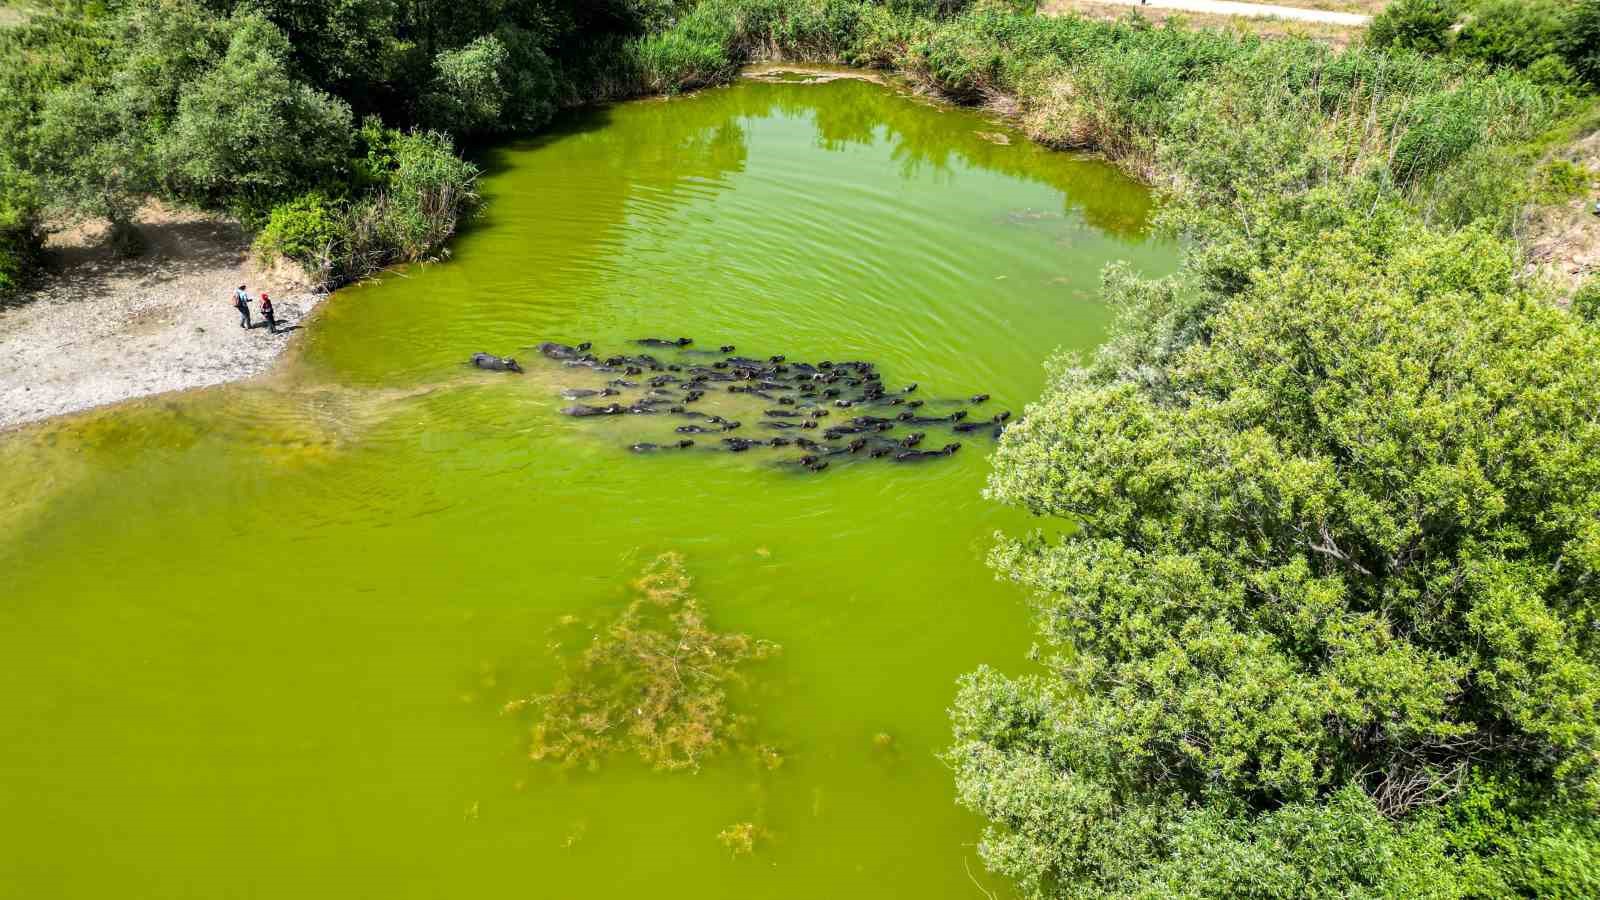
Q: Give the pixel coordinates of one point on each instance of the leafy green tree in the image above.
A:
(248, 135)
(92, 162)
(499, 82)
(531, 80)
(467, 95)
(358, 50)
(1332, 558)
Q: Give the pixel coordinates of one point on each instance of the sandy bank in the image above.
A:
(103, 330)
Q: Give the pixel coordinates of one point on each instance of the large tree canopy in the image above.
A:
(1331, 570)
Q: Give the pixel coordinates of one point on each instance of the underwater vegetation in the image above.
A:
(654, 681)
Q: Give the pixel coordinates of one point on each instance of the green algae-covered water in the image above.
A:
(258, 639)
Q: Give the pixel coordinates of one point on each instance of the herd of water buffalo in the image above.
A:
(824, 409)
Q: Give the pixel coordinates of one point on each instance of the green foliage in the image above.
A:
(1557, 43)
(1514, 33)
(244, 105)
(1511, 843)
(499, 82)
(37, 59)
(1586, 302)
(415, 193)
(467, 95)
(1580, 41)
(1551, 70)
(307, 229)
(247, 135)
(165, 47)
(1333, 557)
(20, 249)
(950, 8)
(1421, 25)
(91, 166)
(674, 60)
(529, 79)
(429, 188)
(355, 49)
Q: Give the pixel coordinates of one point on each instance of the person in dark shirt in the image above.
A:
(267, 313)
(241, 302)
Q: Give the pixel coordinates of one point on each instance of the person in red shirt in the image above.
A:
(267, 313)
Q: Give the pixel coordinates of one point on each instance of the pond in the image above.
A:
(260, 638)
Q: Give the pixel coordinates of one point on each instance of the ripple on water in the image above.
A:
(277, 606)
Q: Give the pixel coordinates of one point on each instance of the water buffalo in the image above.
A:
(646, 447)
(583, 411)
(915, 455)
(495, 363)
(560, 351)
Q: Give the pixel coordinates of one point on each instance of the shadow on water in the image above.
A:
(494, 158)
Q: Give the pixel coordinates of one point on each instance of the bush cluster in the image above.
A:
(1553, 41)
(251, 107)
(417, 191)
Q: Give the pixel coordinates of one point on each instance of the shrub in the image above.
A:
(1586, 302)
(674, 61)
(1513, 33)
(1580, 43)
(430, 189)
(1551, 70)
(502, 82)
(309, 230)
(21, 253)
(1421, 25)
(529, 78)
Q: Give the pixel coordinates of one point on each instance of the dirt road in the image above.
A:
(1254, 10)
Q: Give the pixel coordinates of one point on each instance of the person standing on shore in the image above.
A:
(267, 313)
(241, 302)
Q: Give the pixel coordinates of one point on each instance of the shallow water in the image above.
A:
(258, 638)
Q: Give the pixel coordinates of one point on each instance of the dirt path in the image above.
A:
(107, 330)
(1253, 10)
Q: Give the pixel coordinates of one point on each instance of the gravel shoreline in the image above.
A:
(103, 330)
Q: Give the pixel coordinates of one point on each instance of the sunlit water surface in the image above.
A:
(257, 639)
